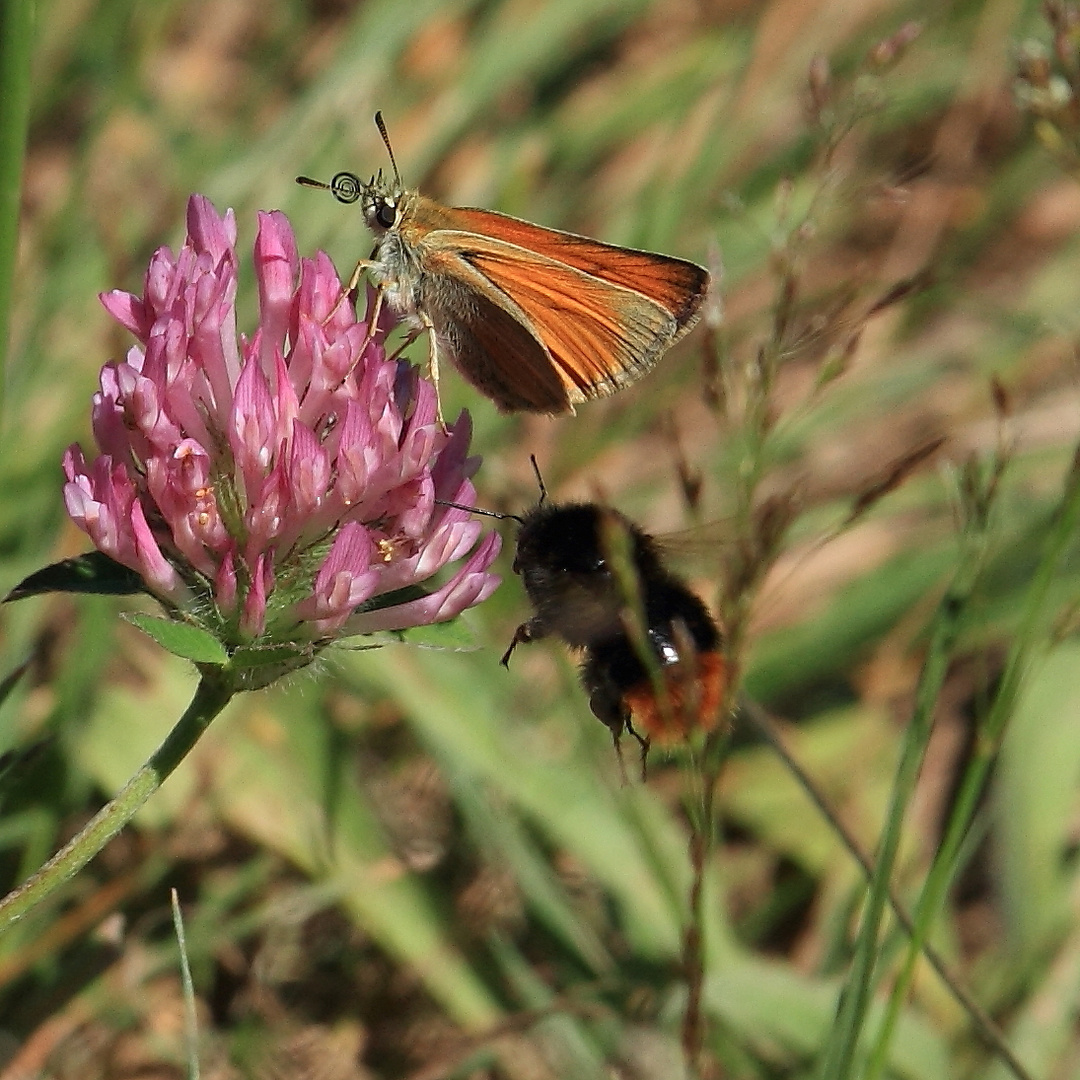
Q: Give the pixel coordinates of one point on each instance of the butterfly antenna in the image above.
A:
(389, 149)
(346, 187)
(539, 480)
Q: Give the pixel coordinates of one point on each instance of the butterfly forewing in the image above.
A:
(599, 336)
(675, 284)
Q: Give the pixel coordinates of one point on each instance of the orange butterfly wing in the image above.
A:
(491, 340)
(598, 333)
(675, 284)
(600, 337)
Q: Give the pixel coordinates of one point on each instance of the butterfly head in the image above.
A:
(380, 198)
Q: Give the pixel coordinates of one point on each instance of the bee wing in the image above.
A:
(697, 550)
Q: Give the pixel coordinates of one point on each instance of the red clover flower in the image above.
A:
(279, 490)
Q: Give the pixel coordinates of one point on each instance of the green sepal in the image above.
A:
(182, 639)
(257, 656)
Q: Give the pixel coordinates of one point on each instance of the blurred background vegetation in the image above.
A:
(414, 863)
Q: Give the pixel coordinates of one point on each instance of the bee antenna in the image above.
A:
(478, 510)
(386, 142)
(539, 480)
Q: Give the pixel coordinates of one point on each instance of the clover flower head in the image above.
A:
(284, 487)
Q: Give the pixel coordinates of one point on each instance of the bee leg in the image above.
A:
(610, 709)
(525, 633)
(643, 746)
(621, 760)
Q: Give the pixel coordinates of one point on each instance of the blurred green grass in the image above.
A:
(461, 834)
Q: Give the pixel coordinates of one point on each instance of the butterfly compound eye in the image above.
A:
(346, 187)
(386, 215)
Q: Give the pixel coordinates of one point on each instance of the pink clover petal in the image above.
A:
(110, 429)
(357, 458)
(100, 502)
(426, 407)
(208, 230)
(445, 546)
(265, 519)
(194, 465)
(286, 403)
(252, 426)
(417, 451)
(156, 570)
(468, 587)
(339, 358)
(450, 542)
(309, 471)
(454, 466)
(351, 552)
(129, 311)
(158, 287)
(253, 617)
(225, 586)
(74, 462)
(412, 517)
(320, 294)
(182, 487)
(213, 345)
(276, 267)
(82, 506)
(306, 347)
(345, 580)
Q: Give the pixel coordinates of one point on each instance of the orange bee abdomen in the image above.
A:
(694, 693)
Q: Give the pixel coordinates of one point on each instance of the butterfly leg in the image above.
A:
(433, 364)
(350, 290)
(409, 339)
(433, 361)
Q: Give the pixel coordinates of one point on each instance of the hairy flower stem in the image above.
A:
(215, 690)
